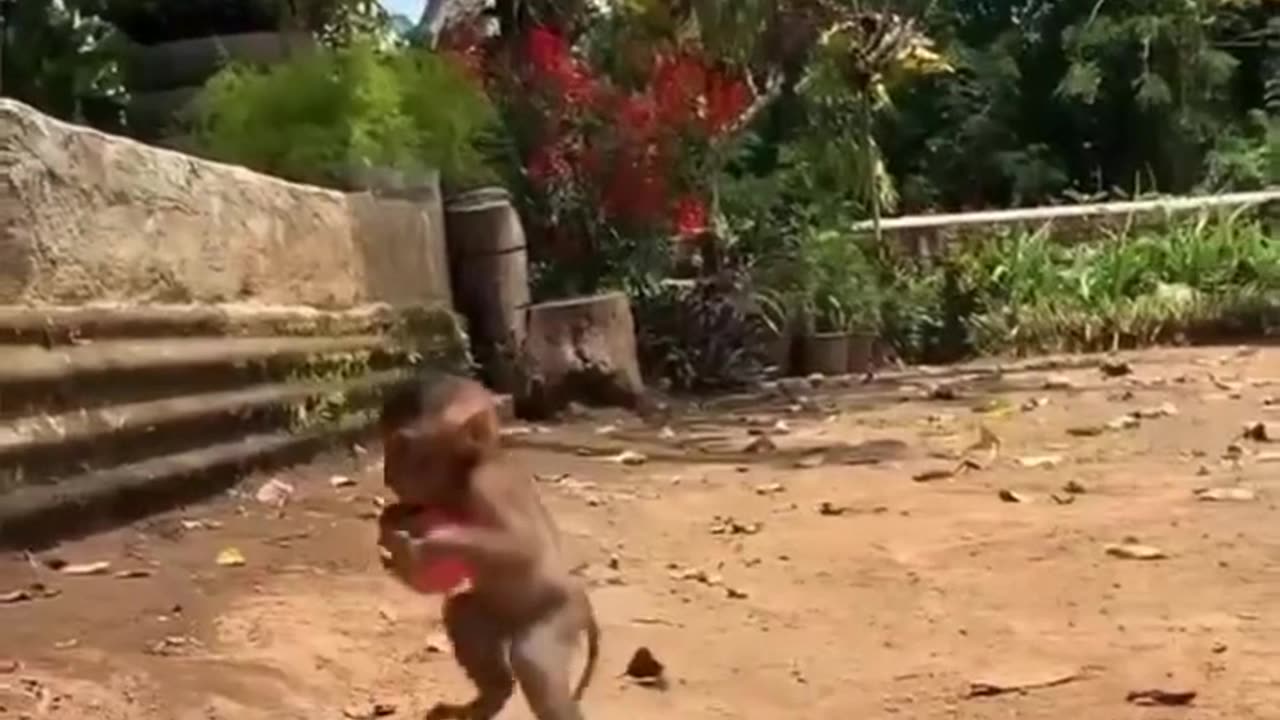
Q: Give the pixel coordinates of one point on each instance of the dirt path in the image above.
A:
(892, 600)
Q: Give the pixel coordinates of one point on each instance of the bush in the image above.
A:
(325, 114)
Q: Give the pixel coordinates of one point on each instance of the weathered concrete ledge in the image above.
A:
(90, 217)
(144, 407)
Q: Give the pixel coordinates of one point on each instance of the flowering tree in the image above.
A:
(603, 161)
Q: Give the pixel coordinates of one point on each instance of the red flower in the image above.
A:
(727, 100)
(677, 85)
(547, 50)
(637, 117)
(690, 216)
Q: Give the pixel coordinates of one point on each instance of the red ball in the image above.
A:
(441, 574)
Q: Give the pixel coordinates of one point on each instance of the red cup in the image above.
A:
(440, 574)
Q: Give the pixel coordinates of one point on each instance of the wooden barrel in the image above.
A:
(489, 269)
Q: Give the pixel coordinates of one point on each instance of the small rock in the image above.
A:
(760, 444)
(734, 593)
(230, 557)
(341, 481)
(1135, 551)
(630, 457)
(730, 526)
(1166, 698)
(134, 574)
(8, 667)
(1062, 498)
(274, 493)
(1059, 382)
(607, 429)
(943, 392)
(1035, 403)
(1114, 367)
(666, 433)
(770, 489)
(368, 711)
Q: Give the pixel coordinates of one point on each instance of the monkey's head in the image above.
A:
(434, 434)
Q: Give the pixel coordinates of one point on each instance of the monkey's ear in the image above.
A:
(481, 430)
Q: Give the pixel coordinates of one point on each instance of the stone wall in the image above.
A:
(89, 217)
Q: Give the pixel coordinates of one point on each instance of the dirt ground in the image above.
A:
(836, 575)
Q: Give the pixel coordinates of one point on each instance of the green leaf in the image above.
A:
(1152, 91)
(1081, 82)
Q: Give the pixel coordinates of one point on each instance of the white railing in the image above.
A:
(1045, 214)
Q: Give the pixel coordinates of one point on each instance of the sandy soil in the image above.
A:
(770, 584)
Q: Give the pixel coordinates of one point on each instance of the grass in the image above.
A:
(1211, 278)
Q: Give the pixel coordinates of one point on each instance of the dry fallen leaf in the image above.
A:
(231, 557)
(934, 474)
(1020, 680)
(1059, 382)
(1135, 551)
(646, 669)
(1160, 411)
(1124, 422)
(1226, 494)
(93, 568)
(830, 509)
(811, 461)
(1086, 431)
(1260, 431)
(1040, 461)
(1010, 496)
(630, 457)
(1167, 698)
(15, 596)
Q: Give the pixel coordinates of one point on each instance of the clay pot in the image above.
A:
(861, 352)
(826, 353)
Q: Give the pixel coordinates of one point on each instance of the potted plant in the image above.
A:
(776, 310)
(842, 304)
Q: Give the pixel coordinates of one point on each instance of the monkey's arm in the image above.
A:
(505, 523)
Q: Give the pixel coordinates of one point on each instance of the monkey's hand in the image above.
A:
(402, 553)
(487, 545)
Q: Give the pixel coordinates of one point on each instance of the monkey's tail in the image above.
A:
(593, 653)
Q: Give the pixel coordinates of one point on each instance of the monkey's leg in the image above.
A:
(540, 655)
(480, 648)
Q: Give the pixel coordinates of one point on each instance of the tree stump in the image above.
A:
(583, 350)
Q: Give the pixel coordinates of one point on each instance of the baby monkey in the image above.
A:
(520, 619)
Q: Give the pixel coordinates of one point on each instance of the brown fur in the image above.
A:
(521, 618)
